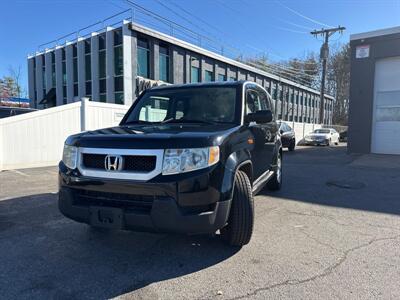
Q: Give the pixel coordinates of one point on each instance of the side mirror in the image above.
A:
(260, 117)
(281, 131)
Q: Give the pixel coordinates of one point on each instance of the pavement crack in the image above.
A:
(326, 272)
(329, 218)
(319, 242)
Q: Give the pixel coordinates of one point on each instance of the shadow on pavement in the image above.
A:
(45, 255)
(328, 176)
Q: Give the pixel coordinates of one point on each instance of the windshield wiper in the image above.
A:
(138, 122)
(172, 120)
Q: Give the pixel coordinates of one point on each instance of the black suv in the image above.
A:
(185, 158)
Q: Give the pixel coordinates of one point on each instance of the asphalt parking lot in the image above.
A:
(332, 232)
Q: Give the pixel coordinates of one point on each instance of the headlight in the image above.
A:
(186, 160)
(70, 156)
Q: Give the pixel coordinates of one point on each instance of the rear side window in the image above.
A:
(264, 99)
(256, 100)
(252, 102)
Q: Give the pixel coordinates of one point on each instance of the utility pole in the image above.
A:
(326, 33)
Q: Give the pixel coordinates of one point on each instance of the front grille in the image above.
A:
(137, 203)
(133, 163)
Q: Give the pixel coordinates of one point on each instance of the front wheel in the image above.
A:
(239, 229)
(275, 183)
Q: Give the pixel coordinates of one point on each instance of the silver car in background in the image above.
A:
(322, 136)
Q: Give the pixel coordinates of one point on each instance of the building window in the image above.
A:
(164, 63)
(102, 56)
(208, 76)
(119, 97)
(102, 68)
(102, 64)
(102, 41)
(34, 82)
(88, 88)
(43, 74)
(103, 98)
(143, 58)
(102, 86)
(75, 69)
(118, 61)
(195, 74)
(64, 94)
(53, 69)
(117, 37)
(221, 77)
(64, 75)
(118, 67)
(88, 46)
(88, 68)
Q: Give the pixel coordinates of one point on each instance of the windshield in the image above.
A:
(321, 131)
(199, 105)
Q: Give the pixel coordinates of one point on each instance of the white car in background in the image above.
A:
(322, 136)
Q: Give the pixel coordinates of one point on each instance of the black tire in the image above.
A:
(98, 229)
(292, 145)
(275, 183)
(239, 229)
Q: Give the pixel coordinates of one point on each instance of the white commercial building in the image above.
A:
(116, 63)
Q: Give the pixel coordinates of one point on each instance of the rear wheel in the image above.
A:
(239, 229)
(275, 182)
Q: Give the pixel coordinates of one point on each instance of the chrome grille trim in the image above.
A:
(138, 176)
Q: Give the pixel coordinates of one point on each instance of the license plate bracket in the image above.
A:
(107, 217)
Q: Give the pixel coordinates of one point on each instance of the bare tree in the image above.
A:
(338, 82)
(15, 75)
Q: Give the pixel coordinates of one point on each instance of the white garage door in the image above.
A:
(386, 114)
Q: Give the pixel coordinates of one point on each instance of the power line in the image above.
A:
(294, 24)
(170, 23)
(290, 30)
(277, 68)
(196, 17)
(301, 15)
(180, 16)
(282, 73)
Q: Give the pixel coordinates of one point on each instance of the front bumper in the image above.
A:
(190, 205)
(316, 142)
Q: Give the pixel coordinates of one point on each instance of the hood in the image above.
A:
(158, 136)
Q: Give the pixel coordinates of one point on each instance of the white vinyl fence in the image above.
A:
(302, 129)
(36, 139)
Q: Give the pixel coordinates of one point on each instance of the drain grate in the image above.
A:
(346, 184)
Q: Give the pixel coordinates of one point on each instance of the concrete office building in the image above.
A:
(117, 63)
(374, 108)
